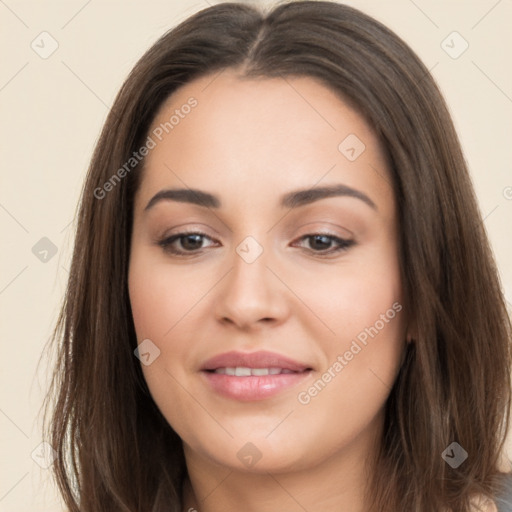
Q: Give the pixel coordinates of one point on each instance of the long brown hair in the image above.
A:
(116, 451)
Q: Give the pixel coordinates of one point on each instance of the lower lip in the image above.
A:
(255, 387)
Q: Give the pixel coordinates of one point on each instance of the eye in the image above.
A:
(320, 243)
(191, 241)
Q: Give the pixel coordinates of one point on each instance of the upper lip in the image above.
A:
(260, 359)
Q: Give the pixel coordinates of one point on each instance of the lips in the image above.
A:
(252, 376)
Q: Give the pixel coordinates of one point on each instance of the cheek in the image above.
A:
(351, 297)
(153, 298)
(369, 301)
(362, 358)
(159, 304)
(162, 296)
(162, 304)
(362, 332)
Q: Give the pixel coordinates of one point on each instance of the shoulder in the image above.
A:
(479, 503)
(483, 504)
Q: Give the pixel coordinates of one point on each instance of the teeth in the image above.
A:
(261, 371)
(242, 371)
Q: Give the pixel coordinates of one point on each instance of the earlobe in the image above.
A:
(412, 331)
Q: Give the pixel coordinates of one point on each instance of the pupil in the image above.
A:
(319, 237)
(188, 238)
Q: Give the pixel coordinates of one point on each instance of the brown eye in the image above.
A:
(321, 243)
(191, 242)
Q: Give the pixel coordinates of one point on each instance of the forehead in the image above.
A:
(252, 136)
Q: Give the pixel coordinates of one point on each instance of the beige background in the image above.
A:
(52, 112)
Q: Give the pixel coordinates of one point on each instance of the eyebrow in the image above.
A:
(292, 200)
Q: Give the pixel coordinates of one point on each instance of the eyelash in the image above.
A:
(166, 243)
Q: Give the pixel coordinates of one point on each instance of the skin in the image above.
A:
(249, 142)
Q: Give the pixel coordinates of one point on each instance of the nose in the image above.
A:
(252, 294)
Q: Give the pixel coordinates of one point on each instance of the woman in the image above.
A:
(281, 296)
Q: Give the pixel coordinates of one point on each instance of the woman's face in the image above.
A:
(266, 347)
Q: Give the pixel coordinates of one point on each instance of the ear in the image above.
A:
(411, 330)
